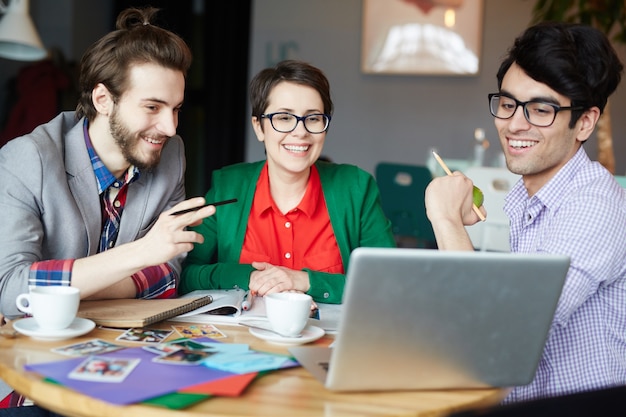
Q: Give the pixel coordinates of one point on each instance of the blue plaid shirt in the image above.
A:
(581, 213)
(112, 194)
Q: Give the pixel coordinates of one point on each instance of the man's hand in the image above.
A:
(450, 198)
(169, 236)
(167, 239)
(449, 207)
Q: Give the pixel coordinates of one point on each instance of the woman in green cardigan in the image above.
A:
(297, 219)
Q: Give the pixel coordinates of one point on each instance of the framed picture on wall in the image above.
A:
(422, 37)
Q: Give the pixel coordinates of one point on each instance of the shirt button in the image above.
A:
(287, 255)
(117, 204)
(116, 185)
(326, 295)
(110, 244)
(287, 225)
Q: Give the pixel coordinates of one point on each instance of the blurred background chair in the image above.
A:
(402, 190)
(495, 183)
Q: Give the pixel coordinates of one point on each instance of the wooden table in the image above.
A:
(292, 392)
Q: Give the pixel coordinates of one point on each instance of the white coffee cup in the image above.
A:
(52, 307)
(288, 312)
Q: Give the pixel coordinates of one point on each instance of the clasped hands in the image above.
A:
(268, 278)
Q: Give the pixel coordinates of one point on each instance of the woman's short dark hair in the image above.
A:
(135, 41)
(574, 60)
(293, 71)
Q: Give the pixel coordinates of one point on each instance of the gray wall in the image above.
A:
(71, 25)
(377, 117)
(396, 118)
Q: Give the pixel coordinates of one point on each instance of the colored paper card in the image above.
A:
(250, 361)
(228, 387)
(147, 380)
(176, 400)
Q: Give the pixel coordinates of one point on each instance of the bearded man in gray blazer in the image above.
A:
(86, 198)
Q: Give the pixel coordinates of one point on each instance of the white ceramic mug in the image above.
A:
(52, 307)
(288, 312)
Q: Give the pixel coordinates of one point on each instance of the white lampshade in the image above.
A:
(19, 39)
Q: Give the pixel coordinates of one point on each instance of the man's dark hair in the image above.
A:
(574, 60)
(136, 41)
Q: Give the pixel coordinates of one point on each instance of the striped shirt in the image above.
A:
(153, 282)
(581, 212)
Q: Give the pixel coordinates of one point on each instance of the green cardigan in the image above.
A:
(354, 208)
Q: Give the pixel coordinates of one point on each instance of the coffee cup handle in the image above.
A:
(19, 301)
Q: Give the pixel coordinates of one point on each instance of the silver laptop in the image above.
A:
(429, 319)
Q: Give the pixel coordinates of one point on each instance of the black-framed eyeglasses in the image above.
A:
(284, 122)
(538, 113)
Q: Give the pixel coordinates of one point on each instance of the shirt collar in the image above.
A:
(104, 177)
(555, 189)
(263, 199)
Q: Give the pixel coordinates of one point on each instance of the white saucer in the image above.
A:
(309, 334)
(29, 327)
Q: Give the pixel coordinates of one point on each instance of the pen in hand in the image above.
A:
(217, 203)
(443, 165)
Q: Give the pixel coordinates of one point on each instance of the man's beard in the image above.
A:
(128, 143)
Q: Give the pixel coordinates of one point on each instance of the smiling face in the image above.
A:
(146, 115)
(293, 152)
(538, 153)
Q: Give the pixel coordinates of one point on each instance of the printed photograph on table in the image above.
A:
(183, 357)
(185, 343)
(199, 330)
(104, 369)
(141, 335)
(161, 348)
(422, 37)
(90, 347)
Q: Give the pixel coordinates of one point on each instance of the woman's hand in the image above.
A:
(269, 278)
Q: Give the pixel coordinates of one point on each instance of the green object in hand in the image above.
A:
(478, 197)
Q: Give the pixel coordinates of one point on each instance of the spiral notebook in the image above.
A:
(127, 313)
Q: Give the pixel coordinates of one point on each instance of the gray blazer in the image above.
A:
(50, 206)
